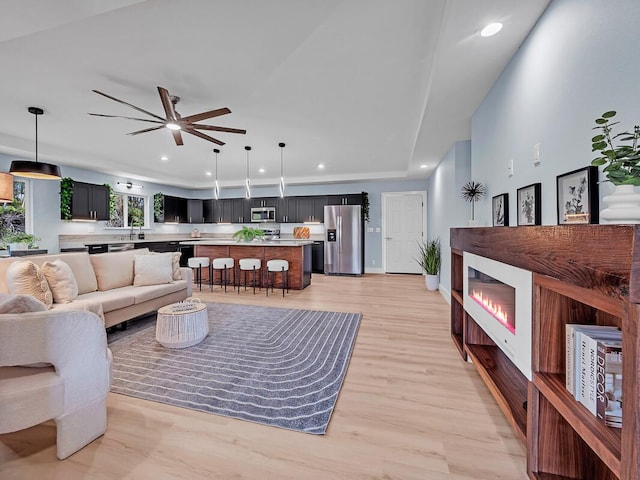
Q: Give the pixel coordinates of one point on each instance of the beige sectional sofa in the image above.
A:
(106, 284)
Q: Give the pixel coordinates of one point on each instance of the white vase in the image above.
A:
(432, 281)
(623, 206)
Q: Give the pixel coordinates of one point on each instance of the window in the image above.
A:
(13, 215)
(128, 211)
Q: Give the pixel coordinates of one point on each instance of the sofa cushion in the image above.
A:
(26, 278)
(153, 269)
(110, 300)
(115, 269)
(85, 304)
(175, 263)
(62, 283)
(149, 292)
(5, 263)
(20, 304)
(80, 265)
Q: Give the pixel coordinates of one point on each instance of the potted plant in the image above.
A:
(473, 192)
(20, 241)
(429, 261)
(621, 167)
(248, 234)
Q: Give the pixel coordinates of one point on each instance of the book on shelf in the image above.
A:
(609, 383)
(588, 344)
(573, 353)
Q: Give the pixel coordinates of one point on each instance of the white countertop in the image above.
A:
(269, 243)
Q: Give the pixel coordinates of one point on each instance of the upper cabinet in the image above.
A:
(287, 210)
(311, 209)
(175, 209)
(349, 199)
(89, 202)
(195, 210)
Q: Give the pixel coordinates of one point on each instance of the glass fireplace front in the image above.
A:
(495, 297)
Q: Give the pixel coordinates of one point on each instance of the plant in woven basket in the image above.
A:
(473, 192)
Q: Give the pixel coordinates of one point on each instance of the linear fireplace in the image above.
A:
(498, 298)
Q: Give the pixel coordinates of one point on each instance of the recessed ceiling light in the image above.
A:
(208, 174)
(321, 166)
(173, 126)
(424, 166)
(491, 29)
(164, 158)
(261, 170)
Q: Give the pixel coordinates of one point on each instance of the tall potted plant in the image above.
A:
(621, 167)
(429, 261)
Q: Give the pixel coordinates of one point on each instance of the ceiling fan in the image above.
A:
(173, 121)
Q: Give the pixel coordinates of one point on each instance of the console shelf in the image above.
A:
(588, 274)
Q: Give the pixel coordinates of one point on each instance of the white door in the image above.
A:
(403, 229)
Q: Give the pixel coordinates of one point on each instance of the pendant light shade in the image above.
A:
(39, 170)
(216, 188)
(281, 145)
(247, 182)
(6, 187)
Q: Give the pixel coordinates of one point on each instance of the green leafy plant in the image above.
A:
(66, 195)
(248, 234)
(112, 202)
(20, 237)
(365, 207)
(473, 192)
(158, 207)
(621, 161)
(429, 256)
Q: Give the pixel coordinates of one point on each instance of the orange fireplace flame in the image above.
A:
(493, 308)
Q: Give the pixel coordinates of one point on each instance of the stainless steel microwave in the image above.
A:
(263, 214)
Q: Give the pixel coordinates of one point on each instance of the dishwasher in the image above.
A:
(120, 247)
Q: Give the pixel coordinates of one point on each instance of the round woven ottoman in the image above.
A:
(181, 325)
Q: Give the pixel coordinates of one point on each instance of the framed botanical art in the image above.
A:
(528, 202)
(578, 196)
(500, 209)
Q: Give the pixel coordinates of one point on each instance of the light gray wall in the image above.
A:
(580, 60)
(48, 225)
(446, 208)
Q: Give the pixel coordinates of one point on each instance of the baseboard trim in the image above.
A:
(373, 270)
(445, 292)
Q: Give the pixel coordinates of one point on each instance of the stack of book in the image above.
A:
(594, 370)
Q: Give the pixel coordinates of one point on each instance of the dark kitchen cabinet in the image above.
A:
(348, 199)
(89, 202)
(223, 210)
(240, 210)
(287, 210)
(195, 211)
(209, 210)
(175, 209)
(264, 202)
(311, 209)
(317, 257)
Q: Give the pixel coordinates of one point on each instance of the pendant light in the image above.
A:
(39, 170)
(247, 182)
(6, 187)
(281, 145)
(216, 188)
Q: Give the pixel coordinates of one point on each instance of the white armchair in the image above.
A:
(73, 391)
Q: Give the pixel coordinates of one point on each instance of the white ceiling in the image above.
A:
(371, 88)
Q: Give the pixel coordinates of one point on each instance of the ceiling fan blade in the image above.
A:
(128, 118)
(204, 115)
(166, 103)
(146, 130)
(132, 106)
(217, 129)
(203, 136)
(177, 137)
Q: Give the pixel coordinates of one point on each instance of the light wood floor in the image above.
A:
(410, 408)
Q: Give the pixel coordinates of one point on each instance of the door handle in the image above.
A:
(388, 238)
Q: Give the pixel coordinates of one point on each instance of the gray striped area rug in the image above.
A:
(277, 366)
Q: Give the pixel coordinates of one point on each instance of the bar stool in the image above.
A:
(196, 263)
(246, 265)
(224, 265)
(276, 266)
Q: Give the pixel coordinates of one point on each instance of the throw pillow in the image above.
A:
(115, 269)
(26, 278)
(175, 263)
(62, 283)
(20, 304)
(152, 269)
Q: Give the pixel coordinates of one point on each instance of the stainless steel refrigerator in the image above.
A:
(343, 240)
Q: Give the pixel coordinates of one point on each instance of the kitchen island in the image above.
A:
(296, 252)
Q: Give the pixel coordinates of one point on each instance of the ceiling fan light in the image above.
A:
(173, 126)
(491, 29)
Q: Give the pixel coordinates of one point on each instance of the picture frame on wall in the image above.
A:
(529, 204)
(500, 209)
(578, 196)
